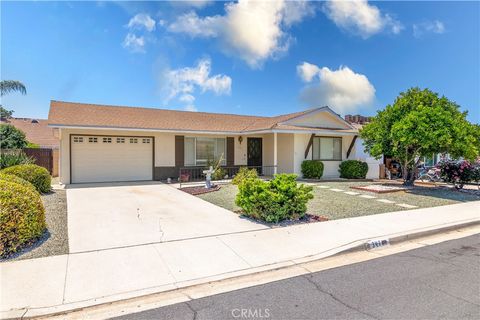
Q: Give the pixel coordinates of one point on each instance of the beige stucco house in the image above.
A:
(101, 143)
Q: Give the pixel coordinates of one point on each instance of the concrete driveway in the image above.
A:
(102, 216)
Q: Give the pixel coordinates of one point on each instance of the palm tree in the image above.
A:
(7, 86)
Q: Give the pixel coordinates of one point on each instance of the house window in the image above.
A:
(145, 140)
(133, 140)
(78, 139)
(327, 148)
(199, 151)
(120, 140)
(92, 140)
(107, 140)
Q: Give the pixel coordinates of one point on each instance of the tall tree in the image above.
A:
(7, 86)
(420, 123)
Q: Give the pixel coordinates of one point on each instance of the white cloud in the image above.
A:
(183, 83)
(142, 20)
(190, 23)
(342, 89)
(193, 3)
(254, 31)
(360, 17)
(307, 71)
(134, 43)
(435, 26)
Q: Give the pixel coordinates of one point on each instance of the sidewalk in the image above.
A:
(54, 284)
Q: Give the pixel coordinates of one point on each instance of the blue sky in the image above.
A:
(248, 57)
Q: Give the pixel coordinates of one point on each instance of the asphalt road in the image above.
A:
(435, 282)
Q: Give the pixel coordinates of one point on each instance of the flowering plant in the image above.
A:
(458, 172)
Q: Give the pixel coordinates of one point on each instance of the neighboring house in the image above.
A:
(37, 131)
(107, 143)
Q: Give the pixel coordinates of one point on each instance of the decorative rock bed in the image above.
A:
(380, 188)
(200, 189)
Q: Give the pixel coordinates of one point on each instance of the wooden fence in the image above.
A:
(47, 158)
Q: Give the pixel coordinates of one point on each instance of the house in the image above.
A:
(36, 131)
(100, 143)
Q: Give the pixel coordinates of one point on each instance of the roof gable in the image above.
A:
(324, 118)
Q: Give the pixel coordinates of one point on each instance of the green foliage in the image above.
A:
(13, 157)
(420, 123)
(4, 113)
(353, 169)
(13, 178)
(244, 173)
(11, 137)
(32, 145)
(219, 174)
(312, 169)
(22, 216)
(36, 175)
(273, 201)
(7, 86)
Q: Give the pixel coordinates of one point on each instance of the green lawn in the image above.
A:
(337, 205)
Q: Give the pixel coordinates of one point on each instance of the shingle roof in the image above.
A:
(93, 115)
(36, 130)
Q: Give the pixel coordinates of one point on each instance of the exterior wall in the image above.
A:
(267, 151)
(285, 152)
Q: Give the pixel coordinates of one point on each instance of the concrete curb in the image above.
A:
(356, 246)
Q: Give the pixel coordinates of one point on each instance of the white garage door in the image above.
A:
(104, 159)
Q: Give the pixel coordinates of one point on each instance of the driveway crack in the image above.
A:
(317, 286)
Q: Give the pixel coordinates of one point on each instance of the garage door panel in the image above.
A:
(113, 161)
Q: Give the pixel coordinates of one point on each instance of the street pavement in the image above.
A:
(440, 281)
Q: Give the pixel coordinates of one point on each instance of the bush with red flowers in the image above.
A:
(458, 172)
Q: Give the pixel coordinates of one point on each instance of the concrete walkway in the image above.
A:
(54, 284)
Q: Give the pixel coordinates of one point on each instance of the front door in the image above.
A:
(254, 152)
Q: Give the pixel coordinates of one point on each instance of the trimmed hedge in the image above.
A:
(312, 169)
(36, 175)
(273, 201)
(244, 173)
(12, 178)
(353, 169)
(22, 216)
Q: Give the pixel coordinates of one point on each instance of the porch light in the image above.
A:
(240, 139)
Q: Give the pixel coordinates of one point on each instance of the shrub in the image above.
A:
(244, 173)
(273, 201)
(353, 169)
(457, 172)
(36, 175)
(22, 216)
(13, 157)
(219, 174)
(12, 178)
(312, 169)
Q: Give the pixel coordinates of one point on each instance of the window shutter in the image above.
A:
(179, 151)
(230, 151)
